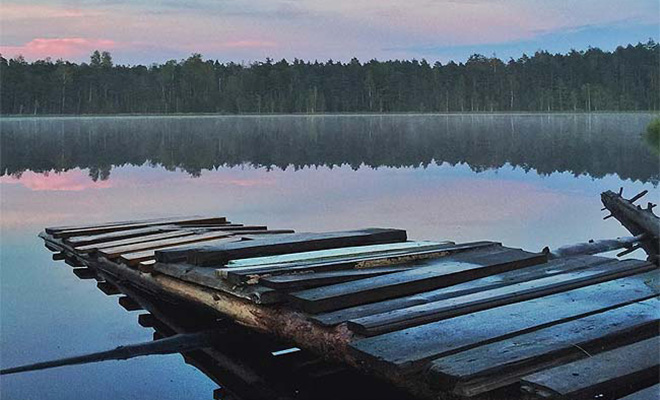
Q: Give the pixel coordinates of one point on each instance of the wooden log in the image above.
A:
(442, 309)
(310, 280)
(435, 274)
(113, 228)
(605, 372)
(410, 349)
(114, 252)
(240, 275)
(174, 344)
(134, 240)
(502, 363)
(595, 246)
(283, 244)
(206, 277)
(551, 268)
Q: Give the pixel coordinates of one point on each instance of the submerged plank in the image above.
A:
(239, 275)
(553, 267)
(114, 252)
(435, 274)
(434, 311)
(412, 347)
(605, 372)
(501, 363)
(283, 244)
(136, 225)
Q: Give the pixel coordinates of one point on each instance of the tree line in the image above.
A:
(626, 79)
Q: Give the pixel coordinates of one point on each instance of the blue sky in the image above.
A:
(141, 31)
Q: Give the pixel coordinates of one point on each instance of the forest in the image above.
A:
(626, 79)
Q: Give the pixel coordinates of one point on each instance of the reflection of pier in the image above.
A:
(436, 318)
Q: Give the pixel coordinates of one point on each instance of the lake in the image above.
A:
(527, 180)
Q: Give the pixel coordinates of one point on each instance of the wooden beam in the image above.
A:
(114, 252)
(135, 225)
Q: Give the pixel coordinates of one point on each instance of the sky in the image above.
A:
(149, 31)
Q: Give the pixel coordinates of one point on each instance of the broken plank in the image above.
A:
(114, 252)
(550, 268)
(501, 363)
(411, 348)
(435, 274)
(283, 244)
(113, 228)
(239, 275)
(134, 240)
(309, 280)
(606, 372)
(206, 277)
(442, 309)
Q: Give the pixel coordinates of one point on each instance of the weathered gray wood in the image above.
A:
(55, 229)
(239, 275)
(105, 237)
(602, 373)
(129, 226)
(309, 280)
(283, 244)
(133, 240)
(114, 252)
(550, 268)
(411, 348)
(649, 393)
(442, 309)
(501, 363)
(435, 274)
(206, 277)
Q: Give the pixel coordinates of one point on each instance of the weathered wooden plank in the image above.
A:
(283, 244)
(135, 258)
(308, 280)
(114, 252)
(134, 240)
(447, 308)
(649, 393)
(501, 363)
(435, 274)
(331, 254)
(550, 268)
(602, 373)
(113, 228)
(239, 275)
(106, 237)
(206, 277)
(55, 229)
(411, 348)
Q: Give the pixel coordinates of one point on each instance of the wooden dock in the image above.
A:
(438, 319)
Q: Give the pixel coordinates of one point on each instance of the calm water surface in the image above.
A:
(527, 180)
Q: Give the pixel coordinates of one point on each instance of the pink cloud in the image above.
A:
(40, 48)
(76, 180)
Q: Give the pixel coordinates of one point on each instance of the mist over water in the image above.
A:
(526, 180)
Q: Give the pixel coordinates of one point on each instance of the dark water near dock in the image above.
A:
(526, 180)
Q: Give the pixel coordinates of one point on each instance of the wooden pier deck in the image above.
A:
(439, 319)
